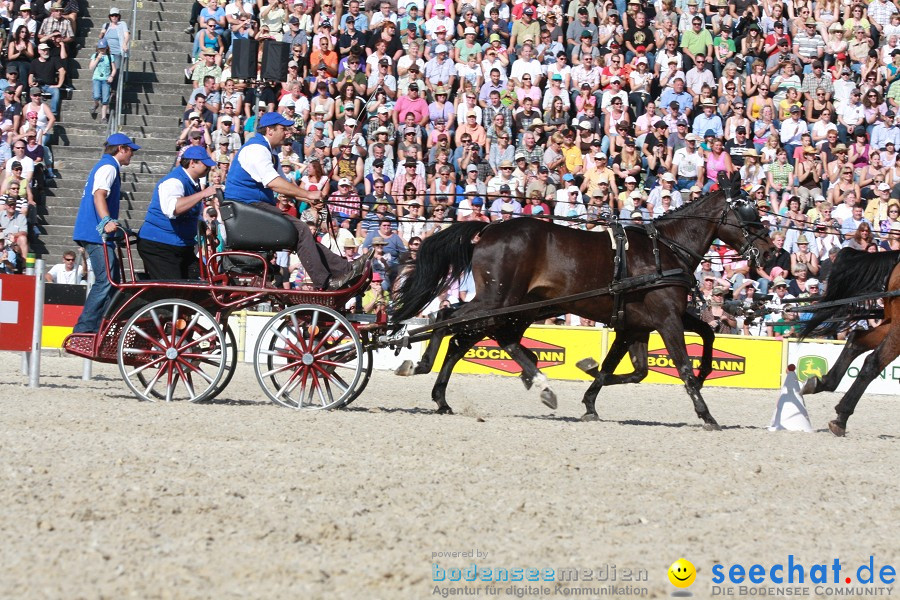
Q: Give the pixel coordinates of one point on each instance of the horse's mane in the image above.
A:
(855, 272)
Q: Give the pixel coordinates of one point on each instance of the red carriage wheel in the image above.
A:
(310, 357)
(173, 350)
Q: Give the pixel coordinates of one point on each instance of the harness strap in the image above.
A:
(620, 272)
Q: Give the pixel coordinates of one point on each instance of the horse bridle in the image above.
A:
(748, 250)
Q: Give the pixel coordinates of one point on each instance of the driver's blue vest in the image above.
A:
(181, 230)
(240, 187)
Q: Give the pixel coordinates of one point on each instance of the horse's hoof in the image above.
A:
(444, 410)
(810, 386)
(421, 369)
(587, 364)
(711, 425)
(836, 429)
(405, 369)
(549, 398)
(586, 417)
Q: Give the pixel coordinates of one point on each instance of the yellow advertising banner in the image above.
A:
(557, 350)
(738, 361)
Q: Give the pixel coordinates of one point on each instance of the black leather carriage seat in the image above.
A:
(255, 230)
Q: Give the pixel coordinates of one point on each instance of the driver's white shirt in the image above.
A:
(256, 159)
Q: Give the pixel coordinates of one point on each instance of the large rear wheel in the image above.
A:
(309, 357)
(173, 350)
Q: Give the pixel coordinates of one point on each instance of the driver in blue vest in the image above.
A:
(254, 179)
(166, 240)
(97, 215)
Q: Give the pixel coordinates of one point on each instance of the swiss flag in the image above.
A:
(16, 312)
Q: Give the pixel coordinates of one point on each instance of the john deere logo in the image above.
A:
(724, 364)
(488, 354)
(811, 366)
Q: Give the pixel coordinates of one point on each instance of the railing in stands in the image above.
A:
(115, 113)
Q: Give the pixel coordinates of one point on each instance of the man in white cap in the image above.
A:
(97, 218)
(440, 70)
(25, 19)
(254, 179)
(439, 17)
(688, 164)
(47, 73)
(167, 238)
(666, 184)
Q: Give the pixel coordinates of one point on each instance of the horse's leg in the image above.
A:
(672, 333)
(509, 337)
(434, 343)
(427, 361)
(701, 328)
(858, 342)
(880, 358)
(456, 349)
(616, 353)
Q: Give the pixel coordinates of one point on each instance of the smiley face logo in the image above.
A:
(682, 573)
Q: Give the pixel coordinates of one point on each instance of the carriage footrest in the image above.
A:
(80, 344)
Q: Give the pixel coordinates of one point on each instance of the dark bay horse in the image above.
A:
(527, 260)
(856, 273)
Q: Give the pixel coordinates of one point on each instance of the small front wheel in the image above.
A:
(309, 357)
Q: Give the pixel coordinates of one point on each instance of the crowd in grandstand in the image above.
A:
(431, 112)
(411, 116)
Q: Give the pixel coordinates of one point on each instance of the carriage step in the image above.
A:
(80, 344)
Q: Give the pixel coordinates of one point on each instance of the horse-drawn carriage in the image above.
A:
(172, 340)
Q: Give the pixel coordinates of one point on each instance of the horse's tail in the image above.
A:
(854, 273)
(442, 258)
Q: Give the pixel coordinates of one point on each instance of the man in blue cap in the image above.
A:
(254, 178)
(166, 240)
(96, 218)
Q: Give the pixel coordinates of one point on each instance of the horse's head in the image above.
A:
(740, 226)
(741, 229)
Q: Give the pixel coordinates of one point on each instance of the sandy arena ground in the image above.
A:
(106, 497)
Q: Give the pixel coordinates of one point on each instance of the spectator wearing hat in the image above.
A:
(708, 120)
(688, 164)
(225, 135)
(387, 239)
(413, 223)
(408, 173)
(376, 297)
(808, 174)
(666, 184)
(56, 31)
(47, 73)
(115, 32)
(440, 70)
(97, 217)
(739, 146)
(440, 17)
(412, 103)
(103, 73)
(168, 235)
(792, 131)
(206, 67)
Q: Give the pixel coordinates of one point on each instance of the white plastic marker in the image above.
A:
(790, 413)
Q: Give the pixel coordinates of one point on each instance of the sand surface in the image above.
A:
(106, 497)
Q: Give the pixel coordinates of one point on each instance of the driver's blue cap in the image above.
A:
(274, 118)
(120, 139)
(198, 153)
